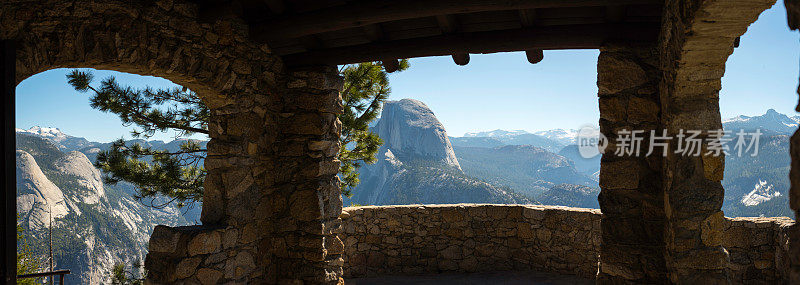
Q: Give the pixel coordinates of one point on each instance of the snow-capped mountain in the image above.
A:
(770, 122)
(496, 133)
(566, 137)
(62, 140)
(762, 192)
(53, 134)
(753, 184)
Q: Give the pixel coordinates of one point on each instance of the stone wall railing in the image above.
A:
(429, 239)
(758, 249)
(420, 239)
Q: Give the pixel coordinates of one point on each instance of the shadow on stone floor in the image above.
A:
(505, 278)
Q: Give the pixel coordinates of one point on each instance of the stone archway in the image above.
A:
(271, 202)
(662, 219)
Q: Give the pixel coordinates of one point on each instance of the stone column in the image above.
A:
(631, 198)
(696, 40)
(272, 199)
(793, 15)
(306, 201)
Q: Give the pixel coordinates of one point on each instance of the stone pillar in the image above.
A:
(306, 201)
(631, 198)
(697, 38)
(793, 272)
(272, 200)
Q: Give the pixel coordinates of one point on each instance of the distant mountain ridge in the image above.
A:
(754, 186)
(771, 122)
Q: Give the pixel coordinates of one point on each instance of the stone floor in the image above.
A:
(505, 278)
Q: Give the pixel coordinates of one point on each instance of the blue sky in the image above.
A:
(495, 91)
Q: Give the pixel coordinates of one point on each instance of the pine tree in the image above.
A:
(121, 275)
(366, 86)
(179, 175)
(27, 262)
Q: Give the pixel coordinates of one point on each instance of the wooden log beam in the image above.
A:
(615, 14)
(449, 25)
(461, 58)
(391, 65)
(276, 6)
(527, 17)
(366, 12)
(543, 38)
(374, 32)
(534, 55)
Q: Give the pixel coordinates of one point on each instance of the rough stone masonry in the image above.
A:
(271, 201)
(272, 207)
(429, 239)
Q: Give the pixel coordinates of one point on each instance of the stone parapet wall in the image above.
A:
(430, 239)
(195, 255)
(757, 248)
(420, 239)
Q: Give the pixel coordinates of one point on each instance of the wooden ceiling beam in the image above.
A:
(360, 13)
(276, 6)
(449, 25)
(391, 65)
(527, 17)
(543, 38)
(615, 14)
(461, 58)
(374, 32)
(534, 55)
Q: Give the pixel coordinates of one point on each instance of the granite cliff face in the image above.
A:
(94, 225)
(417, 164)
(37, 196)
(410, 129)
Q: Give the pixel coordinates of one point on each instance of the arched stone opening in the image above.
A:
(662, 219)
(271, 202)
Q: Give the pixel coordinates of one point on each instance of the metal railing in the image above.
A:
(60, 274)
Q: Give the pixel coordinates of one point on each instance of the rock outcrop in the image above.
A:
(76, 164)
(94, 225)
(37, 196)
(417, 164)
(411, 131)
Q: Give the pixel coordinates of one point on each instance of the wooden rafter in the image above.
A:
(543, 38)
(534, 56)
(527, 17)
(360, 13)
(615, 14)
(276, 6)
(391, 65)
(461, 58)
(449, 25)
